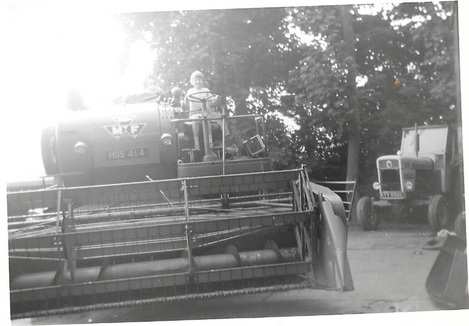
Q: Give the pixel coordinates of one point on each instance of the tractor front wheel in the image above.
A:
(366, 215)
(438, 213)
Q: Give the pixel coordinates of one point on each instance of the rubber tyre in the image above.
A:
(460, 225)
(383, 213)
(366, 217)
(438, 213)
(48, 151)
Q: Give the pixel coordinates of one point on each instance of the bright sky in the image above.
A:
(53, 52)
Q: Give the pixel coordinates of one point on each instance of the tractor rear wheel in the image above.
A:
(438, 213)
(366, 215)
(460, 225)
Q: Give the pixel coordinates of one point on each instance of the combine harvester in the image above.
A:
(131, 214)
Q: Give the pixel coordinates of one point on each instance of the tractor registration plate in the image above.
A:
(127, 154)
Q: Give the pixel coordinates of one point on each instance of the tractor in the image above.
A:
(131, 213)
(425, 174)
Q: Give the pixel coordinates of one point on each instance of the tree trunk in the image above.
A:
(353, 159)
(353, 150)
(458, 157)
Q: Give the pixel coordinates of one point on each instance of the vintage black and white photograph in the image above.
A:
(199, 163)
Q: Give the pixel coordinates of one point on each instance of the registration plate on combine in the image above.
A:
(127, 154)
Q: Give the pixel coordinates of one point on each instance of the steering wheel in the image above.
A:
(199, 99)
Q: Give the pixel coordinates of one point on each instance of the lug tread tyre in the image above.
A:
(438, 214)
(47, 149)
(366, 217)
(460, 225)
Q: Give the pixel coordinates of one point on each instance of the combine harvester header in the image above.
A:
(244, 230)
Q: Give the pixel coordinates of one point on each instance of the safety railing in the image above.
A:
(346, 190)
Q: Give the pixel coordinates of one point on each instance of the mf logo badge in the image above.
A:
(389, 164)
(125, 127)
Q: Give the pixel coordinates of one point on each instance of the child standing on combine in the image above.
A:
(196, 109)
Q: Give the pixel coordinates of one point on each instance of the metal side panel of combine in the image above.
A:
(333, 268)
(135, 243)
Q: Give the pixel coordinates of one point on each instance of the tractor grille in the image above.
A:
(390, 180)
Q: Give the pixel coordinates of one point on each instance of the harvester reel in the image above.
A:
(438, 213)
(366, 215)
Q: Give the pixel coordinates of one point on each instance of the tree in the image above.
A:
(323, 83)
